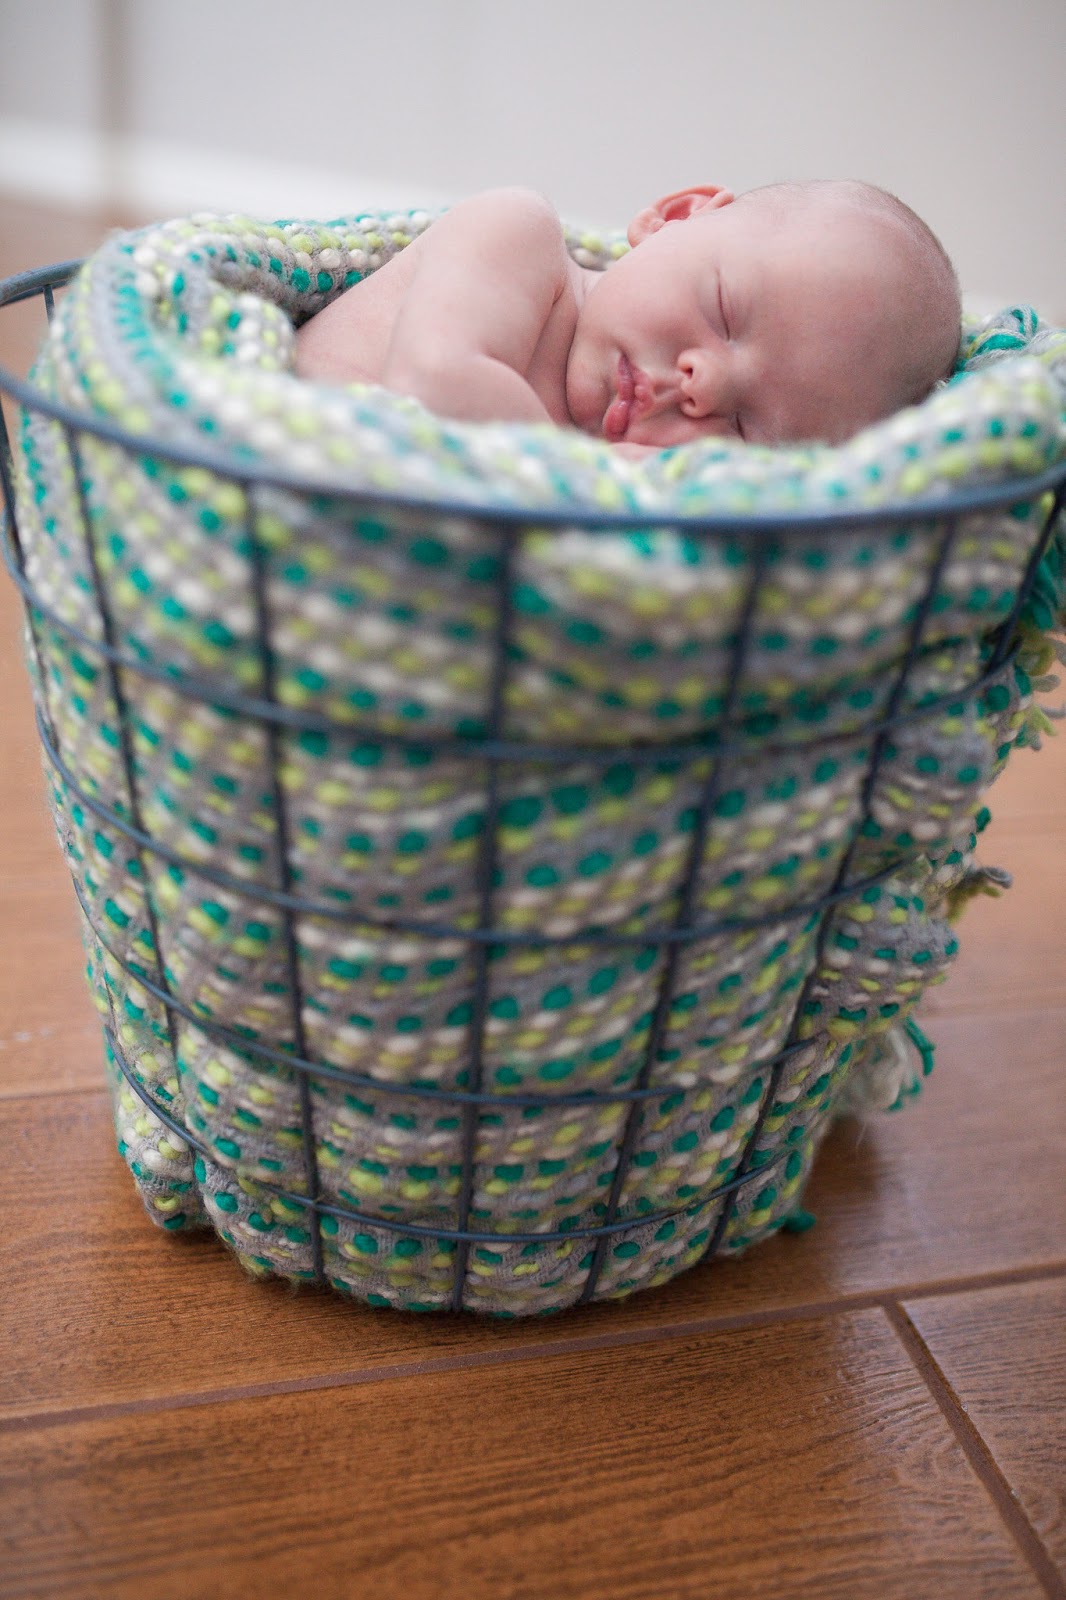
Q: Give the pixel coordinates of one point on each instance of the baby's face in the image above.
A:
(745, 320)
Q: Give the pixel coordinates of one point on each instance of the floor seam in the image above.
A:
(978, 1453)
(805, 1311)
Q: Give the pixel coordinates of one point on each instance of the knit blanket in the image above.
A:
(512, 924)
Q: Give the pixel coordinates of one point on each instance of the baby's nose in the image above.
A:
(701, 383)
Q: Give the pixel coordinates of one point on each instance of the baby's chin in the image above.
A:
(667, 438)
(583, 412)
(587, 392)
(637, 452)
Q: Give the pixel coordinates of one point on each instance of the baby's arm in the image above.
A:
(488, 275)
(455, 320)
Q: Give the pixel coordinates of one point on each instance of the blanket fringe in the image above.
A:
(890, 1072)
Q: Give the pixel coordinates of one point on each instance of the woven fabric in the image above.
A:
(381, 623)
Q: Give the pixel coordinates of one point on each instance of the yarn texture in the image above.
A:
(350, 742)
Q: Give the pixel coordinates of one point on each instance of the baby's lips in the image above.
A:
(616, 420)
(616, 417)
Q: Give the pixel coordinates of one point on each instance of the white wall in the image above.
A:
(284, 108)
(49, 61)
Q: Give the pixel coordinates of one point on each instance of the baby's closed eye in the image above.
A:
(722, 310)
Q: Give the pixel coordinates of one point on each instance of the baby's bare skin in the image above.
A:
(475, 317)
(773, 322)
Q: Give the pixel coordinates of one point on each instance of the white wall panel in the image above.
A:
(957, 105)
(49, 61)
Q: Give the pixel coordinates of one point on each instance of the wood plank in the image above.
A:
(35, 232)
(1014, 946)
(1012, 949)
(800, 1460)
(34, 235)
(49, 1032)
(28, 847)
(964, 1183)
(1033, 786)
(1003, 1352)
(49, 1037)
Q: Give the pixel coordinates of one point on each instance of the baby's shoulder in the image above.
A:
(517, 202)
(519, 218)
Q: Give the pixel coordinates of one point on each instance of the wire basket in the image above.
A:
(488, 755)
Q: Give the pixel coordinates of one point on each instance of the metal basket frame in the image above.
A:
(491, 753)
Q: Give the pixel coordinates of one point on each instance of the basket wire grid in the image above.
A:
(488, 754)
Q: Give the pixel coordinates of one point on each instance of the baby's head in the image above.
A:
(795, 312)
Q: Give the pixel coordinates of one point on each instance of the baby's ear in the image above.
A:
(675, 208)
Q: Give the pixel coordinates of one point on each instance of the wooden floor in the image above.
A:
(874, 1408)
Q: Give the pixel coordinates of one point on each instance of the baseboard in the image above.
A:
(83, 169)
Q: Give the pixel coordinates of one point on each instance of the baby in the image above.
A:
(792, 313)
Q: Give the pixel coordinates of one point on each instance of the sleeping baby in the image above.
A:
(792, 313)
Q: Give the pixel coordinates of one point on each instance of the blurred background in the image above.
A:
(132, 109)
